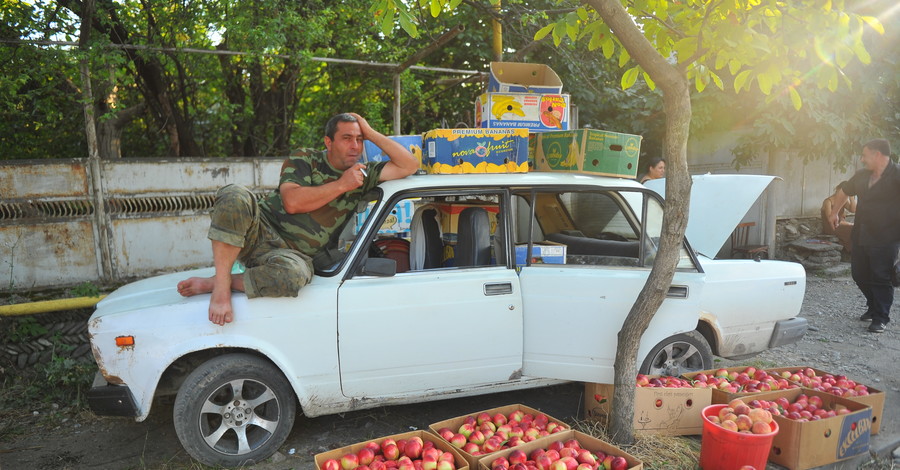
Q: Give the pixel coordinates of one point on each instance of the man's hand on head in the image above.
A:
(364, 126)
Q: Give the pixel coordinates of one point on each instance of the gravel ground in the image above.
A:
(837, 342)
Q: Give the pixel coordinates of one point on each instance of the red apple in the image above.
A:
(446, 464)
(349, 461)
(331, 464)
(499, 419)
(619, 463)
(500, 461)
(365, 455)
(458, 441)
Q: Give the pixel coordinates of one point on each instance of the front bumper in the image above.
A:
(788, 331)
(106, 399)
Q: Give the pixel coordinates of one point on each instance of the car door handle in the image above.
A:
(498, 288)
(677, 292)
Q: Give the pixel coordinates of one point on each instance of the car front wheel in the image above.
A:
(234, 410)
(679, 354)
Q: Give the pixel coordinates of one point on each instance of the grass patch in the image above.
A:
(657, 452)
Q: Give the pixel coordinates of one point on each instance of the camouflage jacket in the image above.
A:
(309, 232)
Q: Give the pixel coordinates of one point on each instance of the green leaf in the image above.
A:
(699, 82)
(685, 48)
(874, 23)
(624, 57)
(842, 55)
(629, 77)
(543, 32)
(861, 53)
(765, 82)
(407, 23)
(717, 80)
(387, 21)
(833, 80)
(795, 98)
(609, 48)
(582, 13)
(721, 61)
(454, 4)
(650, 83)
(734, 66)
(435, 8)
(559, 30)
(741, 80)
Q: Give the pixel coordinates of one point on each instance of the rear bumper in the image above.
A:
(788, 331)
(106, 399)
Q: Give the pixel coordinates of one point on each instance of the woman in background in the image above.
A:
(656, 168)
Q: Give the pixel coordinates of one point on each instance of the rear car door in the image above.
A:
(574, 311)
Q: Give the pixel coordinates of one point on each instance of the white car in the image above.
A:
(456, 310)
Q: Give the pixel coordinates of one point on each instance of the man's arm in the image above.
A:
(402, 163)
(299, 199)
(840, 198)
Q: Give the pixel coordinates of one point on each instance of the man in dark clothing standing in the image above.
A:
(876, 229)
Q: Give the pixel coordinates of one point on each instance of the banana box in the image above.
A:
(396, 223)
(590, 151)
(454, 151)
(518, 77)
(413, 143)
(533, 111)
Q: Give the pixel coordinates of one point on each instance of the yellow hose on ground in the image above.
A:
(49, 306)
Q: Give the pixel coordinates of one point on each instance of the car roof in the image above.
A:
(533, 178)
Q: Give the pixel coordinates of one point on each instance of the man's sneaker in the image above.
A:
(876, 327)
(866, 316)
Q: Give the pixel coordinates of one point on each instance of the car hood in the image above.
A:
(718, 204)
(151, 292)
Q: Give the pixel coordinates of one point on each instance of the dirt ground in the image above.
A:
(837, 342)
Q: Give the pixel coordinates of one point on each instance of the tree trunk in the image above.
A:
(677, 102)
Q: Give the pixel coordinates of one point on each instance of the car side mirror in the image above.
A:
(379, 267)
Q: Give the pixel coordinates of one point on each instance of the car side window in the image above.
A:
(593, 228)
(427, 232)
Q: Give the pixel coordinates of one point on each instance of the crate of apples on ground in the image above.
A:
(417, 450)
(838, 385)
(733, 382)
(568, 450)
(493, 430)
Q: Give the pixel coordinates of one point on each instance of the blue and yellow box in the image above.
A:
(455, 151)
(533, 111)
(413, 143)
(541, 253)
(590, 151)
(396, 223)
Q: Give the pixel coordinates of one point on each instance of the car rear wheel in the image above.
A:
(679, 354)
(234, 410)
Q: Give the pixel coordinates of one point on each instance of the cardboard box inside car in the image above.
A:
(439, 443)
(454, 151)
(587, 442)
(541, 253)
(657, 410)
(875, 398)
(590, 151)
(454, 424)
(801, 445)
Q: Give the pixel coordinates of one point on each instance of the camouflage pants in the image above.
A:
(273, 268)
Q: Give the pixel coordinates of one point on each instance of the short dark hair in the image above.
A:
(879, 145)
(653, 162)
(331, 125)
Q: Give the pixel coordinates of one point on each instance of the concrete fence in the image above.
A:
(150, 216)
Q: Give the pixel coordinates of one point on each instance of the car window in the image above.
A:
(428, 231)
(652, 222)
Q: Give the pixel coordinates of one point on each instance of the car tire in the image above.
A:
(679, 354)
(234, 410)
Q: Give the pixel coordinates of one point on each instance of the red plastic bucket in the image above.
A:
(722, 449)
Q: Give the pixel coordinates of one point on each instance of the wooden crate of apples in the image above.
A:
(838, 385)
(567, 450)
(416, 450)
(492, 430)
